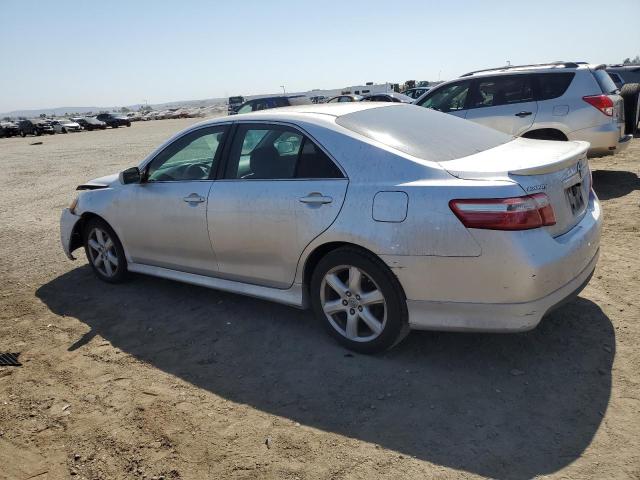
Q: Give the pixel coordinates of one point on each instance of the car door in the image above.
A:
(505, 103)
(280, 190)
(164, 218)
(450, 98)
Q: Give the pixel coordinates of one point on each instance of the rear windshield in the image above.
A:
(553, 85)
(605, 82)
(236, 100)
(422, 132)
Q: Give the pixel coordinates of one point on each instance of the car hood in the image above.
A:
(98, 183)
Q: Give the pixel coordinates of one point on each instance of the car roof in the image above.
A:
(330, 110)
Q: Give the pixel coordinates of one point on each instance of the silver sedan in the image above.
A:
(380, 217)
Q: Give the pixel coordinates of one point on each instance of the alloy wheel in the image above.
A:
(353, 303)
(102, 252)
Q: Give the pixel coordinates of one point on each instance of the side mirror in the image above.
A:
(130, 175)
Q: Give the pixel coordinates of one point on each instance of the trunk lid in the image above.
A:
(558, 169)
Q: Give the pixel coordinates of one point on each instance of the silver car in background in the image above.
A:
(557, 101)
(381, 217)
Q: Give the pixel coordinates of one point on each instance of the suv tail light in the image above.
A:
(601, 102)
(515, 213)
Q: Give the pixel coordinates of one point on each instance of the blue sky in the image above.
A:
(120, 52)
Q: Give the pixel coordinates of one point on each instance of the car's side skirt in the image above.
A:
(294, 296)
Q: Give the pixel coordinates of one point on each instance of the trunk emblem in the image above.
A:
(536, 188)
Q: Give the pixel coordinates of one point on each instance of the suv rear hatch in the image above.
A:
(558, 169)
(609, 89)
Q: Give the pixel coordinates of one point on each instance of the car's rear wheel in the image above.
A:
(23, 133)
(359, 300)
(104, 251)
(630, 92)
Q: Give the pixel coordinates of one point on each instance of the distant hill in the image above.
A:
(84, 110)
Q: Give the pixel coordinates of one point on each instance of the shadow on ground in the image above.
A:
(610, 184)
(503, 406)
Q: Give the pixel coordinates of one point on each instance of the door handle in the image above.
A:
(194, 198)
(523, 114)
(316, 198)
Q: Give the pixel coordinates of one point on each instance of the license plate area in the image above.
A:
(575, 197)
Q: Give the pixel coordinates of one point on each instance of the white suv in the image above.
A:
(557, 101)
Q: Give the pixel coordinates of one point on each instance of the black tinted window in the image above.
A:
(313, 163)
(605, 82)
(497, 91)
(553, 85)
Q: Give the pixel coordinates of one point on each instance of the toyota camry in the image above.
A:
(381, 218)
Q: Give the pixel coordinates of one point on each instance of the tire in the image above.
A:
(64, 130)
(104, 251)
(37, 133)
(630, 92)
(90, 128)
(386, 303)
(114, 126)
(128, 124)
(23, 133)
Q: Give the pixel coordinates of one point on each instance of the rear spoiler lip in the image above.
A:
(559, 164)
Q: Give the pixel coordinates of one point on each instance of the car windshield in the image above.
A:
(422, 132)
(605, 81)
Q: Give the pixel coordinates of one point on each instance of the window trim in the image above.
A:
(144, 168)
(222, 169)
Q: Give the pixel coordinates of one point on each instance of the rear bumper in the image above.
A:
(494, 317)
(516, 279)
(606, 139)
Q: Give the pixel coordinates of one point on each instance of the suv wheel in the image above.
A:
(23, 133)
(359, 300)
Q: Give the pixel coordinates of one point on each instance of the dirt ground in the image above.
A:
(155, 379)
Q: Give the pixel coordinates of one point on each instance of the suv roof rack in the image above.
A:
(511, 67)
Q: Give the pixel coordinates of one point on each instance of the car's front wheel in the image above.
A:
(104, 251)
(359, 300)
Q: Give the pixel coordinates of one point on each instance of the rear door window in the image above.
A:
(605, 82)
(496, 91)
(276, 152)
(552, 85)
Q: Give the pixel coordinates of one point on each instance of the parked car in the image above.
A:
(89, 123)
(34, 127)
(416, 92)
(234, 104)
(114, 121)
(133, 116)
(621, 74)
(344, 98)
(9, 129)
(445, 224)
(266, 103)
(387, 97)
(65, 126)
(318, 99)
(627, 79)
(556, 101)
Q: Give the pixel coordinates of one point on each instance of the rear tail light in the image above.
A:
(601, 102)
(516, 213)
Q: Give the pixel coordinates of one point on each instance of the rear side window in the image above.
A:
(276, 152)
(553, 85)
(605, 82)
(497, 91)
